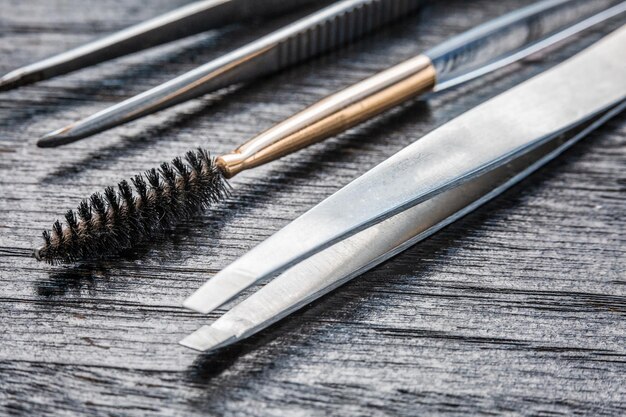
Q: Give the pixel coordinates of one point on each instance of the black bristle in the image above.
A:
(170, 203)
(57, 233)
(84, 211)
(153, 178)
(168, 173)
(186, 198)
(113, 210)
(194, 162)
(204, 156)
(46, 238)
(181, 168)
(73, 239)
(119, 229)
(148, 216)
(85, 229)
(99, 206)
(45, 252)
(115, 221)
(72, 223)
(111, 197)
(129, 211)
(160, 209)
(140, 186)
(126, 194)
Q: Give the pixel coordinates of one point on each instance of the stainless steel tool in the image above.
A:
(322, 31)
(185, 21)
(422, 188)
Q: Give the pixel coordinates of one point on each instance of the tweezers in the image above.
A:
(464, 57)
(185, 21)
(325, 30)
(411, 195)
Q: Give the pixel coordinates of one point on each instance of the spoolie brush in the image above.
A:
(116, 220)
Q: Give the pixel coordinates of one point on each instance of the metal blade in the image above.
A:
(476, 142)
(332, 267)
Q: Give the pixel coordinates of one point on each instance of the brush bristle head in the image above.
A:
(118, 220)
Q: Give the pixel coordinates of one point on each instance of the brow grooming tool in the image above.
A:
(427, 185)
(322, 31)
(185, 21)
(116, 222)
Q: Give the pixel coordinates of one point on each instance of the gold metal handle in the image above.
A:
(334, 114)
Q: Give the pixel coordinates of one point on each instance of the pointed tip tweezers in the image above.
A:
(421, 189)
(319, 32)
(185, 21)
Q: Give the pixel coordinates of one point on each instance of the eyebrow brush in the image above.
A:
(118, 219)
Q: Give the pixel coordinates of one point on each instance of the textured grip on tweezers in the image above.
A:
(340, 28)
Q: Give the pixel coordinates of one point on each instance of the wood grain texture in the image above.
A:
(517, 309)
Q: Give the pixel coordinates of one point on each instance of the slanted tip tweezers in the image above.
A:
(319, 32)
(424, 187)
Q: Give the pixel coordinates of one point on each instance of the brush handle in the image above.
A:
(334, 114)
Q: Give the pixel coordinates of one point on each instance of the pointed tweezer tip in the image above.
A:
(11, 80)
(57, 138)
(208, 338)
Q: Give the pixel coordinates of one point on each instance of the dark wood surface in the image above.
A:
(517, 309)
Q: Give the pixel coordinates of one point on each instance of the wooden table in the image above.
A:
(519, 308)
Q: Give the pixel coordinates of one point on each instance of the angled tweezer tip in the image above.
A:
(217, 291)
(202, 301)
(208, 338)
(195, 304)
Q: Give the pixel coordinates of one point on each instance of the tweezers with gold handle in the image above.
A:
(481, 50)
